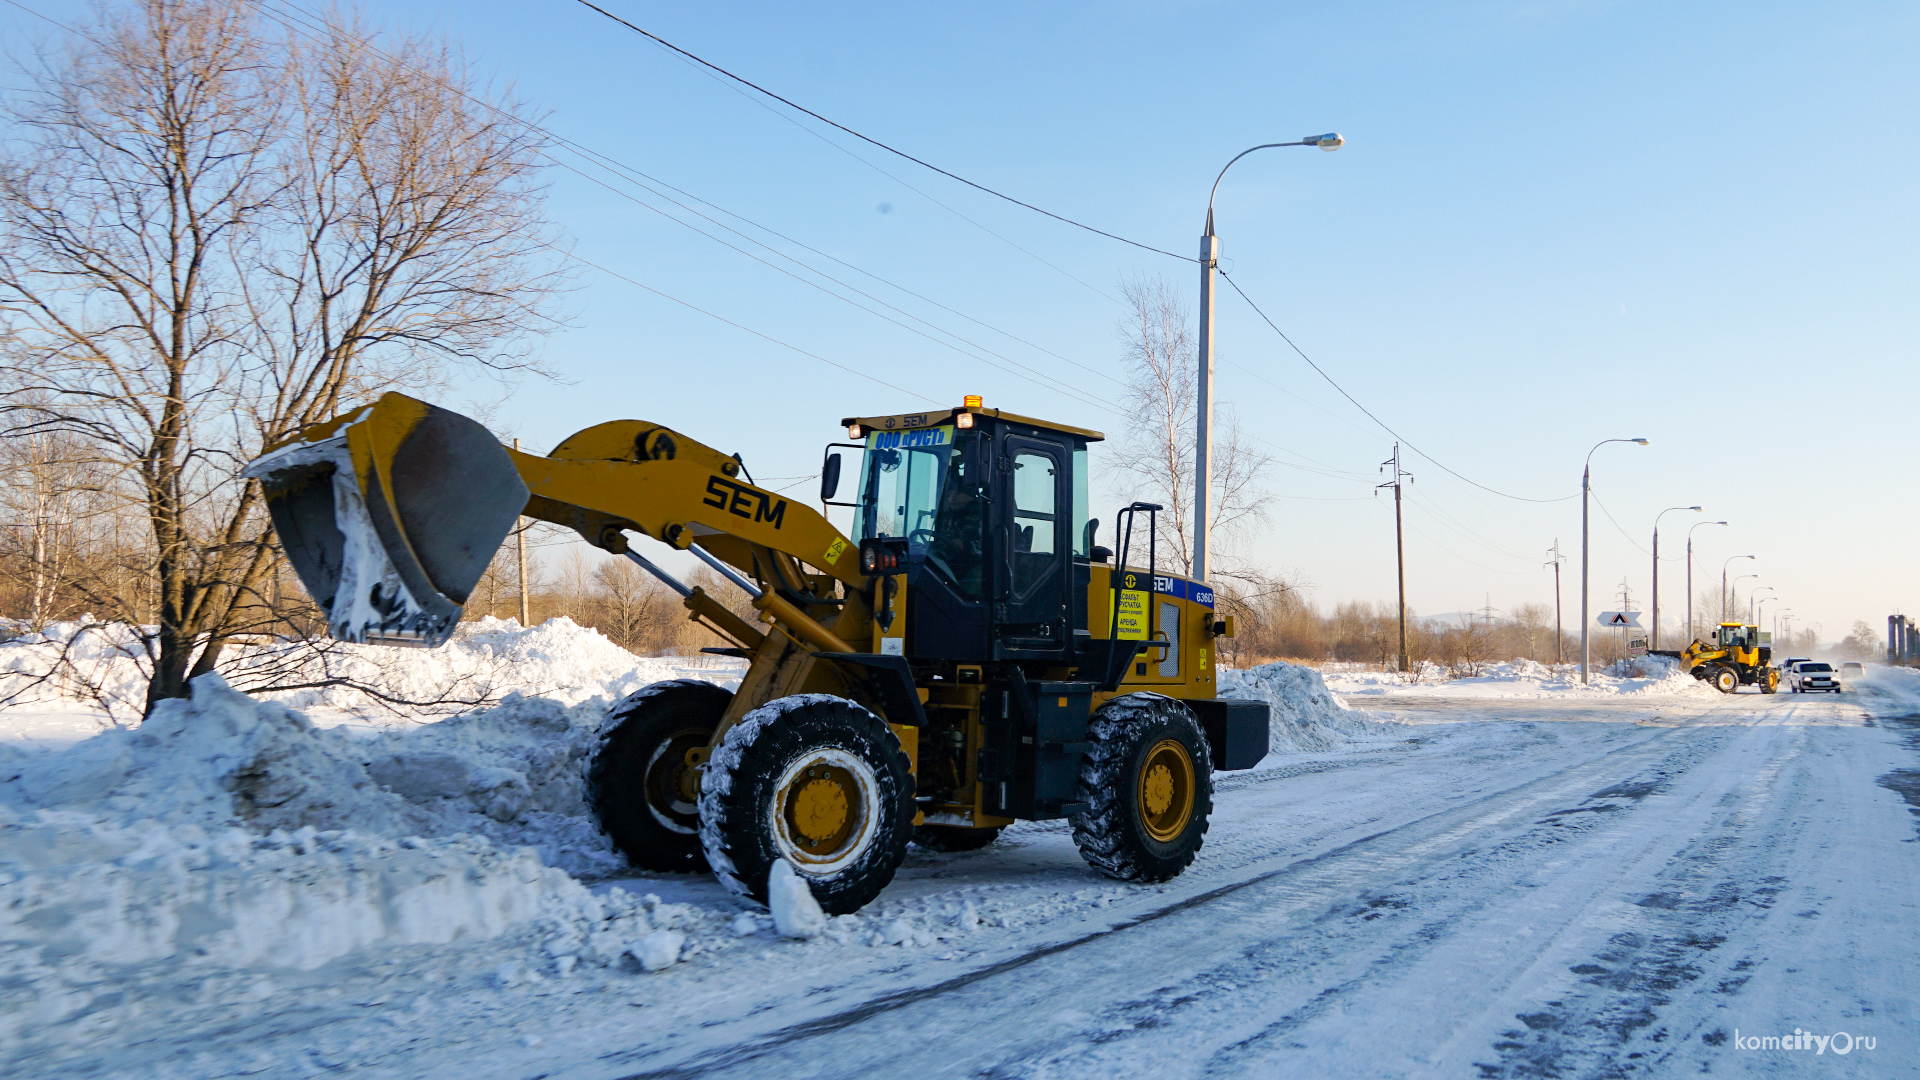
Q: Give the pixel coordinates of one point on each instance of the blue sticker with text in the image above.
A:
(1184, 589)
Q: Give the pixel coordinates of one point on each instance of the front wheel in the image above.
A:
(1726, 680)
(815, 781)
(1147, 784)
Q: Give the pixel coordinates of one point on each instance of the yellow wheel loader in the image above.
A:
(969, 658)
(1739, 655)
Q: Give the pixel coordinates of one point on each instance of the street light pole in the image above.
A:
(1733, 598)
(1723, 583)
(1203, 421)
(1755, 598)
(1692, 633)
(1656, 567)
(1586, 486)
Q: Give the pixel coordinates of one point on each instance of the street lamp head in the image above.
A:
(1695, 509)
(1642, 442)
(1330, 141)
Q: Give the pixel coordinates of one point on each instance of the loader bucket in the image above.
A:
(390, 515)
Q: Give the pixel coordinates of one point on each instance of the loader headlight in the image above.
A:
(963, 420)
(882, 555)
(855, 431)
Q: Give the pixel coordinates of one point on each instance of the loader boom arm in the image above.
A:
(390, 514)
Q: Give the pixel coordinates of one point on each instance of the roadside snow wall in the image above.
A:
(231, 832)
(1306, 716)
(105, 666)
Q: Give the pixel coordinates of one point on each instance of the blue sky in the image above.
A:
(1553, 223)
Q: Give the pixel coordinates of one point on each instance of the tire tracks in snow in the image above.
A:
(1447, 826)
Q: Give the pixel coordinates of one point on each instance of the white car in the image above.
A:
(1851, 670)
(1809, 675)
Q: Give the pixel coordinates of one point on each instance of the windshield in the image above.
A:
(916, 485)
(1815, 667)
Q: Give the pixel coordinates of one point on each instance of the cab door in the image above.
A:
(1033, 512)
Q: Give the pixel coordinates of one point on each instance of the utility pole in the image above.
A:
(520, 539)
(1626, 604)
(1399, 543)
(1559, 636)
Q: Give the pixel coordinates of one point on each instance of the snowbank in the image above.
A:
(1890, 691)
(102, 669)
(1306, 716)
(228, 832)
(1651, 675)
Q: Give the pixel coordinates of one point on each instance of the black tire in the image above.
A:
(1726, 680)
(638, 783)
(810, 761)
(953, 837)
(1148, 786)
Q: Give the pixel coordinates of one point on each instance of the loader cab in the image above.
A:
(1740, 636)
(992, 509)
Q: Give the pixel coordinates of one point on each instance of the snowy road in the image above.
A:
(1566, 887)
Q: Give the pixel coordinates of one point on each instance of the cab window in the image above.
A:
(921, 485)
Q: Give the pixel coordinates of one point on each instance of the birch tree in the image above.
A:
(1155, 456)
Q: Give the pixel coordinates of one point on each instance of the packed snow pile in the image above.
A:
(231, 832)
(1649, 675)
(1306, 716)
(105, 667)
(1894, 691)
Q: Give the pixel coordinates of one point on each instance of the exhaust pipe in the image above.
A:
(390, 515)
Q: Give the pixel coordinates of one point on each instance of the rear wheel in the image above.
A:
(1726, 680)
(639, 784)
(953, 837)
(1148, 789)
(816, 781)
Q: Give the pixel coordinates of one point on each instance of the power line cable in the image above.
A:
(739, 326)
(1056, 385)
(1356, 404)
(45, 18)
(607, 162)
(613, 165)
(1449, 551)
(875, 142)
(788, 118)
(1609, 515)
(1460, 527)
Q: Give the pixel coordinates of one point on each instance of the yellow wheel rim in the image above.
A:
(1166, 790)
(818, 805)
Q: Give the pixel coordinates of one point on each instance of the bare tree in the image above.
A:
(212, 234)
(1157, 453)
(56, 521)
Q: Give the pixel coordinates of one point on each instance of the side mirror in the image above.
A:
(829, 476)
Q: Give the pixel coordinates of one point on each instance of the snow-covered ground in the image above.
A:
(1512, 875)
